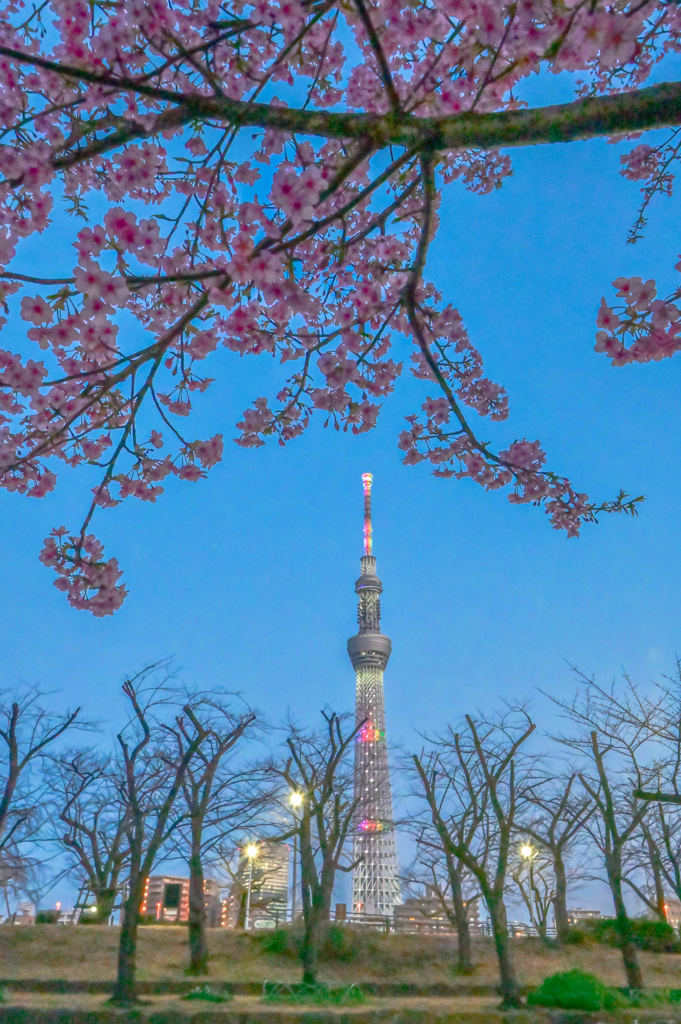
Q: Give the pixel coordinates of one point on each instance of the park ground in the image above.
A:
(410, 979)
(63, 952)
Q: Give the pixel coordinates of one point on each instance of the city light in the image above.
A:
(526, 852)
(93, 910)
(296, 799)
(251, 852)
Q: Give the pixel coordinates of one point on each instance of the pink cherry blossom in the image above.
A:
(272, 188)
(36, 310)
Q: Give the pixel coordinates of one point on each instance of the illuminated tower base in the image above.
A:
(375, 888)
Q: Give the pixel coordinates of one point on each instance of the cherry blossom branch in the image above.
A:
(326, 268)
(522, 463)
(133, 280)
(375, 43)
(657, 106)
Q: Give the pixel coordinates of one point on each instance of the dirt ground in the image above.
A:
(63, 952)
(244, 1004)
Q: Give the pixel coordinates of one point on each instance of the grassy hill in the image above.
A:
(51, 952)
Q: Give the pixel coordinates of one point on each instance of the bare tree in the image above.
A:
(662, 837)
(26, 731)
(448, 883)
(19, 876)
(477, 767)
(663, 720)
(557, 814)
(216, 800)
(95, 823)
(151, 780)
(659, 844)
(532, 872)
(613, 736)
(319, 767)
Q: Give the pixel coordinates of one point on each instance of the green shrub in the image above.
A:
(574, 990)
(278, 941)
(87, 917)
(577, 937)
(654, 936)
(338, 944)
(343, 943)
(47, 917)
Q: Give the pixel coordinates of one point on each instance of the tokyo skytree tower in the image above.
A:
(375, 888)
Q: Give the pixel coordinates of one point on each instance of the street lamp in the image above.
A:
(527, 852)
(251, 852)
(295, 800)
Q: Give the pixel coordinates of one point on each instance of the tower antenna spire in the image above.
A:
(368, 538)
(375, 881)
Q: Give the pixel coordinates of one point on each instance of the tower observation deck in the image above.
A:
(375, 886)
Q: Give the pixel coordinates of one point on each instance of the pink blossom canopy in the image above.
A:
(269, 174)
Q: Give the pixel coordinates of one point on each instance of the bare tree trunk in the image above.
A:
(105, 904)
(560, 898)
(312, 940)
(629, 951)
(125, 993)
(241, 917)
(510, 994)
(198, 947)
(464, 963)
(319, 769)
(656, 868)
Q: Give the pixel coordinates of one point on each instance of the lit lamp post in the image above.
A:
(251, 852)
(296, 800)
(527, 855)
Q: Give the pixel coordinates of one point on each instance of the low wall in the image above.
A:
(393, 1015)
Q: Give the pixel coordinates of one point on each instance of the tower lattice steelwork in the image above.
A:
(376, 889)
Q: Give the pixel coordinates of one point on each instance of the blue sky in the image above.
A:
(246, 579)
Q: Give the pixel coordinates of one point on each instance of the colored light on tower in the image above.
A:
(370, 825)
(370, 734)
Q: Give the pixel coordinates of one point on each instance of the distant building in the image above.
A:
(269, 888)
(428, 915)
(578, 914)
(212, 903)
(166, 899)
(24, 914)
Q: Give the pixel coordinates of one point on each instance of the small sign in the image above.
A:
(264, 922)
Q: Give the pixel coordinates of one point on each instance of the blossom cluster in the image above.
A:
(642, 328)
(88, 581)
